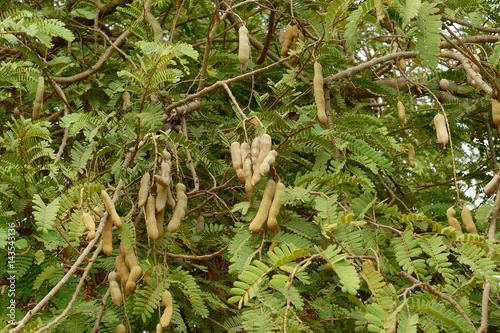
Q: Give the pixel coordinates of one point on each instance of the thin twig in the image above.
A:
(433, 291)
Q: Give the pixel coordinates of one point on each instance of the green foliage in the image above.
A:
(363, 243)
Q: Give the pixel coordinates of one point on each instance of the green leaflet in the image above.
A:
(428, 34)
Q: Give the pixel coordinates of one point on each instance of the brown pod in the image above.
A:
(16, 111)
(452, 221)
(247, 172)
(159, 222)
(236, 158)
(89, 224)
(144, 189)
(441, 131)
(161, 180)
(150, 216)
(402, 64)
(255, 150)
(401, 112)
(411, 156)
(288, 40)
(444, 84)
(243, 46)
(161, 198)
(37, 107)
(110, 207)
(170, 198)
(180, 209)
(107, 237)
(200, 224)
(263, 212)
(122, 269)
(268, 162)
(495, 111)
(159, 329)
(126, 99)
(129, 255)
(120, 329)
(470, 227)
(274, 211)
(114, 288)
(265, 145)
(166, 299)
(319, 95)
(491, 187)
(245, 151)
(135, 274)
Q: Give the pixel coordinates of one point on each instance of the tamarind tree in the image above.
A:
(96, 94)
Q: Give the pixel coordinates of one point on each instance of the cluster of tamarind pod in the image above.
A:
(112, 219)
(292, 34)
(252, 163)
(154, 209)
(467, 219)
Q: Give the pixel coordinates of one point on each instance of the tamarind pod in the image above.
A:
(120, 329)
(236, 158)
(126, 99)
(179, 210)
(274, 210)
(16, 112)
(143, 189)
(319, 95)
(294, 59)
(89, 224)
(161, 198)
(261, 216)
(37, 107)
(170, 198)
(473, 83)
(255, 150)
(266, 143)
(402, 64)
(160, 215)
(151, 218)
(247, 172)
(475, 68)
(470, 227)
(167, 157)
(245, 151)
(166, 298)
(107, 237)
(121, 268)
(159, 329)
(495, 111)
(288, 40)
(116, 293)
(295, 32)
(97, 211)
(161, 180)
(268, 162)
(166, 317)
(444, 84)
(441, 131)
(165, 171)
(401, 112)
(135, 274)
(110, 207)
(243, 46)
(411, 156)
(491, 187)
(256, 178)
(129, 255)
(394, 325)
(452, 221)
(200, 224)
